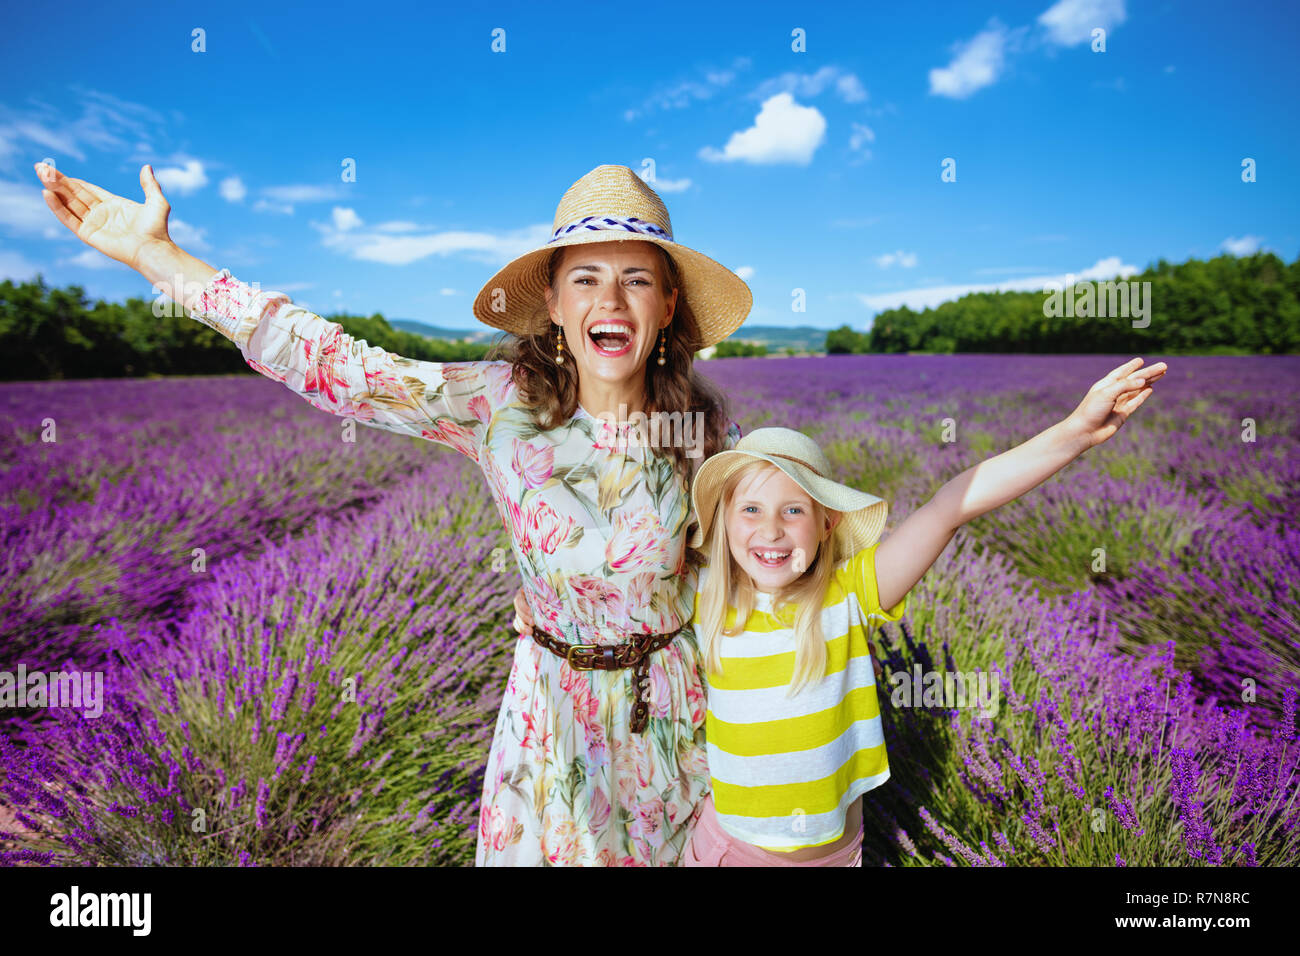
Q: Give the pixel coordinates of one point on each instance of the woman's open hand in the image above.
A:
(119, 228)
(523, 615)
(1113, 399)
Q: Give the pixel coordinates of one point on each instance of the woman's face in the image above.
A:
(612, 300)
(772, 529)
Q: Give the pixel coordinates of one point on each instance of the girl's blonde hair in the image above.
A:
(806, 593)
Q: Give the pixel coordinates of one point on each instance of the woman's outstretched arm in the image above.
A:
(904, 557)
(445, 402)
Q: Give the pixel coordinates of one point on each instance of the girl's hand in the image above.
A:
(117, 227)
(875, 664)
(1113, 399)
(523, 615)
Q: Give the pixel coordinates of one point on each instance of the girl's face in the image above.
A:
(771, 529)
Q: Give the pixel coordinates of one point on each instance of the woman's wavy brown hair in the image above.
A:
(551, 390)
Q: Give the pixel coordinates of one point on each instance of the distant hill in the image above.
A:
(801, 338)
(480, 334)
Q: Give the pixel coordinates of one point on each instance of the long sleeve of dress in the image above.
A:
(445, 402)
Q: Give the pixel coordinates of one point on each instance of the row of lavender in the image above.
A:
(326, 700)
(119, 495)
(227, 740)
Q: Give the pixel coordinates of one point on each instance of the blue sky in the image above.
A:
(817, 170)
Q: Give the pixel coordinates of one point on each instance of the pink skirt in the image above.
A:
(710, 845)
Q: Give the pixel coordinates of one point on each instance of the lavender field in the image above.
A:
(218, 550)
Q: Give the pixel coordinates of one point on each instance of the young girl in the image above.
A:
(795, 574)
(782, 615)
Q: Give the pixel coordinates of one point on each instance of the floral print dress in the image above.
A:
(599, 529)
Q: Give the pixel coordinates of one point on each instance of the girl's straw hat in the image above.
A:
(799, 457)
(613, 203)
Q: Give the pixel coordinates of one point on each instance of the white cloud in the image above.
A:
(1071, 22)
(1005, 270)
(1245, 246)
(783, 132)
(187, 180)
(303, 193)
(106, 123)
(850, 89)
(345, 219)
(808, 85)
(1107, 268)
(370, 245)
(92, 259)
(264, 205)
(977, 64)
(448, 292)
(929, 297)
(23, 208)
(14, 266)
(859, 137)
(233, 189)
(397, 226)
(682, 94)
(185, 235)
(53, 140)
(745, 272)
(670, 185)
(905, 259)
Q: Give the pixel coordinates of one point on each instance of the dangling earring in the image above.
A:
(662, 335)
(559, 346)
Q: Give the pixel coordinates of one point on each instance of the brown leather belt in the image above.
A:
(611, 657)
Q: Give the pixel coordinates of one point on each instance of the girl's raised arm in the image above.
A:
(445, 402)
(904, 557)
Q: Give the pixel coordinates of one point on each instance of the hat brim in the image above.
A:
(514, 300)
(864, 513)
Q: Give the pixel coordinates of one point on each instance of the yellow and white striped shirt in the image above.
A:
(785, 770)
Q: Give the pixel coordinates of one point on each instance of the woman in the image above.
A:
(598, 753)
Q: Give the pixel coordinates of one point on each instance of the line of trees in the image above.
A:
(48, 333)
(729, 349)
(1229, 304)
(1248, 305)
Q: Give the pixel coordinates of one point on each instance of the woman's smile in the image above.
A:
(612, 338)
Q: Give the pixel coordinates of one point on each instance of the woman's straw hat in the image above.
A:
(799, 457)
(613, 203)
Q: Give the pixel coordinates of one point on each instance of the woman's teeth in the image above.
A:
(771, 559)
(611, 339)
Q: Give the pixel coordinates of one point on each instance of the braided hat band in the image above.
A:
(613, 204)
(599, 223)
